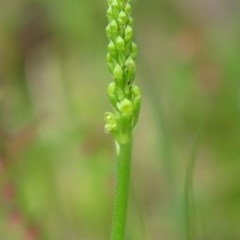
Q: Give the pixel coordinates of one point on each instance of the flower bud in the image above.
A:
(112, 48)
(119, 93)
(111, 88)
(115, 5)
(109, 58)
(110, 13)
(120, 43)
(118, 73)
(129, 72)
(128, 9)
(133, 50)
(109, 62)
(111, 91)
(130, 21)
(121, 58)
(125, 107)
(136, 91)
(130, 64)
(128, 33)
(122, 17)
(113, 26)
(136, 108)
(108, 31)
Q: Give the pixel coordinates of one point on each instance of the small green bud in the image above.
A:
(121, 58)
(110, 67)
(130, 21)
(118, 73)
(113, 26)
(119, 93)
(110, 13)
(110, 62)
(111, 88)
(128, 33)
(122, 17)
(109, 58)
(115, 5)
(108, 31)
(111, 91)
(134, 50)
(111, 48)
(120, 43)
(136, 91)
(130, 64)
(128, 9)
(129, 72)
(125, 107)
(136, 108)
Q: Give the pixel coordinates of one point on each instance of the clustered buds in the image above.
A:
(123, 94)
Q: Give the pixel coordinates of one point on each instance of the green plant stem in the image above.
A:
(122, 190)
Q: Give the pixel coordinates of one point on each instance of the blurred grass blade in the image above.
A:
(189, 206)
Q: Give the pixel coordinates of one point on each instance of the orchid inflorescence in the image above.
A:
(124, 96)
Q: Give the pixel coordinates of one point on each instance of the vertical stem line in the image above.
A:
(122, 190)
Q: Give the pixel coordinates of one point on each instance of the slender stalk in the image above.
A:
(122, 190)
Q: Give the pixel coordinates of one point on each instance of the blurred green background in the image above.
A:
(57, 165)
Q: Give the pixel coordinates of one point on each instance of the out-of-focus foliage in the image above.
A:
(57, 164)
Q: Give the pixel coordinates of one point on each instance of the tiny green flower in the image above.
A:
(128, 9)
(116, 5)
(110, 14)
(113, 26)
(120, 43)
(111, 48)
(110, 124)
(111, 90)
(133, 50)
(128, 33)
(122, 17)
(125, 106)
(117, 73)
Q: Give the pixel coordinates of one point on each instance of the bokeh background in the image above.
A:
(57, 165)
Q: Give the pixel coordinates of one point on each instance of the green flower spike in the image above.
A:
(125, 99)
